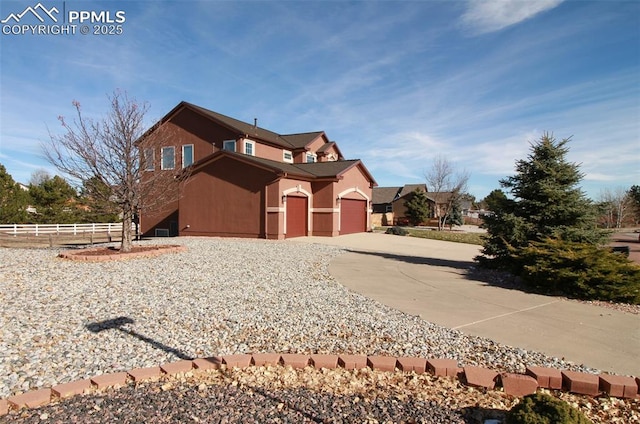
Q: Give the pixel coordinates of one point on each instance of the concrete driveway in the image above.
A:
(429, 278)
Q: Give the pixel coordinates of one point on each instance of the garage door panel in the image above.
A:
(297, 216)
(353, 216)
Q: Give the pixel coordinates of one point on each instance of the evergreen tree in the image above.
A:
(455, 216)
(495, 200)
(547, 203)
(417, 207)
(55, 201)
(97, 197)
(13, 200)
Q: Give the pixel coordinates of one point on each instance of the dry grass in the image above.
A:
(55, 240)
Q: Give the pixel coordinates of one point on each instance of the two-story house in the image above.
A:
(245, 181)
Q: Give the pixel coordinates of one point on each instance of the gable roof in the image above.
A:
(443, 196)
(391, 194)
(301, 140)
(287, 141)
(308, 171)
(410, 188)
(384, 194)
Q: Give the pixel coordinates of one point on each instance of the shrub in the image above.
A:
(399, 231)
(540, 408)
(579, 270)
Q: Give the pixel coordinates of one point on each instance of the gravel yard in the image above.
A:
(66, 320)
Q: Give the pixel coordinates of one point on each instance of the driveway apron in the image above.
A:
(429, 278)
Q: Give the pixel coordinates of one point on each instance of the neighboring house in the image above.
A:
(390, 201)
(246, 181)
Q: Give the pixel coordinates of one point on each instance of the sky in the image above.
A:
(395, 83)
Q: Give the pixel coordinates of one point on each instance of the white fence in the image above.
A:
(47, 229)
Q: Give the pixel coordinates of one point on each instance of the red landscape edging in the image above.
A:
(513, 384)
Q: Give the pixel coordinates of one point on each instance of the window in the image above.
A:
(147, 156)
(229, 145)
(168, 158)
(287, 156)
(249, 148)
(311, 157)
(187, 155)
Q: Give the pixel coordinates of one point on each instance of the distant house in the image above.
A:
(246, 181)
(388, 203)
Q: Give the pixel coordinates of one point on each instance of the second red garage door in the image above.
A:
(353, 216)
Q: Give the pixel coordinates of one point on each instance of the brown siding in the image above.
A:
(324, 198)
(316, 144)
(324, 224)
(266, 151)
(225, 198)
(323, 194)
(162, 219)
(159, 201)
(192, 128)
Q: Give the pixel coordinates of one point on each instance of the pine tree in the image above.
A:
(546, 203)
(455, 216)
(55, 201)
(495, 200)
(417, 207)
(97, 197)
(13, 200)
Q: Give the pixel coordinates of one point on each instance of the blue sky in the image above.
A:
(394, 83)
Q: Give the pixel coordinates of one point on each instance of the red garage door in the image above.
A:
(353, 216)
(296, 216)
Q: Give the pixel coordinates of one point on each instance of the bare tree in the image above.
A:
(446, 186)
(105, 152)
(616, 205)
(39, 176)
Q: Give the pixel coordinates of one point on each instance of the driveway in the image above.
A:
(429, 278)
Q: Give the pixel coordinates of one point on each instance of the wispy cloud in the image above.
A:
(394, 83)
(483, 16)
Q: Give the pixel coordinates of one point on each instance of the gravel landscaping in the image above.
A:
(67, 320)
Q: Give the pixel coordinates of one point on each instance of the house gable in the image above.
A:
(243, 192)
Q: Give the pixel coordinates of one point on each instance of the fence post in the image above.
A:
(36, 230)
(57, 228)
(15, 230)
(93, 228)
(74, 230)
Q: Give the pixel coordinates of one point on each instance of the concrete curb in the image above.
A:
(516, 385)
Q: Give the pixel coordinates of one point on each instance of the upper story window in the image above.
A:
(187, 155)
(168, 158)
(249, 148)
(312, 157)
(229, 145)
(287, 156)
(148, 158)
